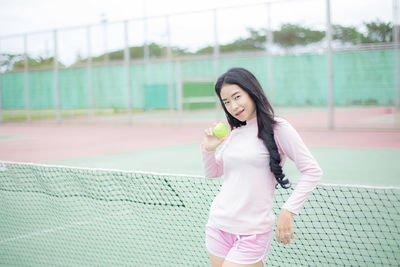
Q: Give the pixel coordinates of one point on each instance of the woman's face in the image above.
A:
(238, 102)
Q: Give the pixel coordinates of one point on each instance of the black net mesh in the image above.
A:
(61, 216)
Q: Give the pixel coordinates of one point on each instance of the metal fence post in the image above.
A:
(90, 71)
(127, 71)
(396, 41)
(331, 125)
(169, 58)
(145, 33)
(1, 103)
(26, 77)
(270, 40)
(179, 86)
(56, 80)
(105, 35)
(216, 44)
(216, 56)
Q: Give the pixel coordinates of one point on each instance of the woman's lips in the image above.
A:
(239, 113)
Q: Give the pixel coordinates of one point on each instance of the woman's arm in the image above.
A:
(293, 146)
(212, 162)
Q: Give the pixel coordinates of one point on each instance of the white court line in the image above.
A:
(61, 228)
(4, 168)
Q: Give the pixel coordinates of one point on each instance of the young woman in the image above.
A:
(239, 231)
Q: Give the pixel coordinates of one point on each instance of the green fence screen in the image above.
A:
(362, 77)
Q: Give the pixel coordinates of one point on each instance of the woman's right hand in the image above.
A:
(211, 142)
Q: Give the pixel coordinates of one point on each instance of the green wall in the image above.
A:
(363, 77)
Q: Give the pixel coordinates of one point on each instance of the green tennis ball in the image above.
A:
(220, 130)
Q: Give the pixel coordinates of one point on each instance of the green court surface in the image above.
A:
(76, 216)
(360, 166)
(7, 137)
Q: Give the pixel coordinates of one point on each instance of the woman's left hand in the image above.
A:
(284, 227)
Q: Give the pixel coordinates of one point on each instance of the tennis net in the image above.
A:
(64, 216)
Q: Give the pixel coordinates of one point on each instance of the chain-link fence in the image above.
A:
(306, 54)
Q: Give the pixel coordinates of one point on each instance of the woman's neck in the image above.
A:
(251, 121)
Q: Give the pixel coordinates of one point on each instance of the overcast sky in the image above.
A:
(188, 31)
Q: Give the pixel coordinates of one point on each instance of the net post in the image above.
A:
(127, 70)
(26, 79)
(331, 125)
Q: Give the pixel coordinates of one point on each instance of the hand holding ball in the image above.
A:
(220, 130)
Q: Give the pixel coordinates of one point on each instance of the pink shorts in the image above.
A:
(240, 249)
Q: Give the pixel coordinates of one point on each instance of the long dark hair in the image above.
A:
(265, 115)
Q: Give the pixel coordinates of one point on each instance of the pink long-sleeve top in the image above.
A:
(244, 202)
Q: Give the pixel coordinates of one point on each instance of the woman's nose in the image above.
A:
(234, 105)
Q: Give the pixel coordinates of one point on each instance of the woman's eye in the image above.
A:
(226, 103)
(237, 97)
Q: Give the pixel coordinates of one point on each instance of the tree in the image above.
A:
(346, 34)
(7, 61)
(378, 32)
(137, 52)
(255, 42)
(288, 35)
(291, 35)
(43, 62)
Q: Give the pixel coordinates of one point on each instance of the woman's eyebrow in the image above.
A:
(235, 93)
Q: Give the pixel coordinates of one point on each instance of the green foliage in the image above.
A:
(346, 34)
(255, 42)
(205, 50)
(378, 32)
(39, 62)
(291, 35)
(17, 62)
(176, 51)
(137, 52)
(8, 60)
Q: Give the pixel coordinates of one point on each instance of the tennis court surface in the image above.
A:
(103, 194)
